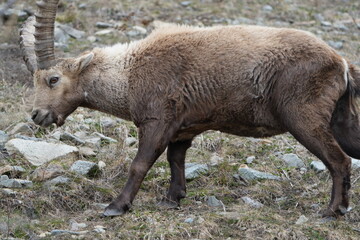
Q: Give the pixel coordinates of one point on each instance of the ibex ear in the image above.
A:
(83, 61)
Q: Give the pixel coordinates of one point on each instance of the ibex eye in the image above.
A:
(53, 80)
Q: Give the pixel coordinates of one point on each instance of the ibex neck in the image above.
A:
(105, 85)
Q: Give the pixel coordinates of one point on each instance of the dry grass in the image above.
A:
(43, 209)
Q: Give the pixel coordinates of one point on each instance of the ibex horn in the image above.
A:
(37, 37)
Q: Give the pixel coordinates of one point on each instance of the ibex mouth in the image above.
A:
(44, 118)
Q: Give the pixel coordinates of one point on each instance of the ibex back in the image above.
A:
(181, 81)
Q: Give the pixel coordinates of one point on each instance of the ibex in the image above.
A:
(181, 81)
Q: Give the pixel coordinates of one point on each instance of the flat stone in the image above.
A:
(77, 34)
(250, 159)
(72, 138)
(185, 3)
(129, 141)
(19, 136)
(104, 32)
(48, 172)
(8, 192)
(267, 8)
(38, 153)
(194, 170)
(317, 166)
(189, 220)
(58, 180)
(212, 201)
(251, 202)
(85, 168)
(104, 25)
(57, 232)
(3, 139)
(326, 24)
(105, 138)
(12, 170)
(60, 35)
(249, 174)
(301, 220)
(16, 183)
(292, 160)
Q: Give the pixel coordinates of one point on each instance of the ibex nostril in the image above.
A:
(34, 114)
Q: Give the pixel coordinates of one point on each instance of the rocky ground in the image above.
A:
(237, 187)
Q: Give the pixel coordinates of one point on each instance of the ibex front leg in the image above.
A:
(153, 139)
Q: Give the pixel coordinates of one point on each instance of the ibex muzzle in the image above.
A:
(181, 81)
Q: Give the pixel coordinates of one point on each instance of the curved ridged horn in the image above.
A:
(44, 32)
(27, 44)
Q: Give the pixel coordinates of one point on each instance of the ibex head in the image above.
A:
(57, 92)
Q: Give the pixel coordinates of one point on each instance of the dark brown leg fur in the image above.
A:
(176, 158)
(316, 135)
(153, 139)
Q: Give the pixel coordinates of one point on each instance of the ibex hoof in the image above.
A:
(168, 204)
(112, 212)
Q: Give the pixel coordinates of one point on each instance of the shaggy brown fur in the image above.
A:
(243, 80)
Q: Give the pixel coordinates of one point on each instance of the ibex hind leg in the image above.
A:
(316, 135)
(176, 157)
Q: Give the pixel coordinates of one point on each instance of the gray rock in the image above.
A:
(92, 39)
(249, 174)
(340, 26)
(16, 183)
(189, 220)
(136, 31)
(185, 3)
(250, 159)
(292, 160)
(130, 141)
(21, 128)
(19, 14)
(355, 164)
(93, 142)
(336, 45)
(72, 31)
(45, 173)
(60, 35)
(38, 153)
(12, 170)
(8, 192)
(3, 139)
(267, 8)
(212, 201)
(99, 229)
(104, 32)
(82, 6)
(107, 122)
(301, 220)
(87, 152)
(326, 24)
(104, 25)
(105, 138)
(251, 202)
(58, 180)
(317, 166)
(319, 17)
(72, 138)
(75, 226)
(4, 177)
(57, 232)
(194, 170)
(85, 168)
